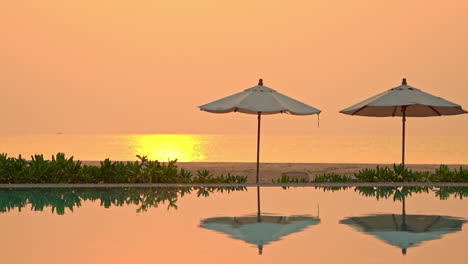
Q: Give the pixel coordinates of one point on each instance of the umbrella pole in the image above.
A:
(258, 146)
(259, 215)
(403, 109)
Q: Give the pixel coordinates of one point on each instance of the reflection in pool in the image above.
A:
(404, 231)
(120, 225)
(60, 199)
(259, 229)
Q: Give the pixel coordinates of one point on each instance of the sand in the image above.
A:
(270, 171)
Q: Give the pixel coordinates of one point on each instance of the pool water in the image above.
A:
(234, 225)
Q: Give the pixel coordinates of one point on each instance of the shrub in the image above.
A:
(286, 179)
(65, 170)
(384, 174)
(333, 177)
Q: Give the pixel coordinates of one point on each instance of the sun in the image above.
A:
(184, 148)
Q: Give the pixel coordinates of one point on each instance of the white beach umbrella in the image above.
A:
(404, 101)
(259, 100)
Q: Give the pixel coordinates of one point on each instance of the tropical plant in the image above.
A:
(287, 179)
(384, 174)
(333, 177)
(61, 169)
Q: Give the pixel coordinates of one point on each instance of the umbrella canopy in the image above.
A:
(393, 102)
(259, 100)
(259, 232)
(404, 101)
(405, 231)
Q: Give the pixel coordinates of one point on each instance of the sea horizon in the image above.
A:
(275, 148)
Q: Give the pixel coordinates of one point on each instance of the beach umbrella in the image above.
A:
(405, 231)
(404, 101)
(259, 100)
(259, 229)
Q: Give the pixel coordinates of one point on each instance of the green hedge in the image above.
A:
(66, 170)
(384, 174)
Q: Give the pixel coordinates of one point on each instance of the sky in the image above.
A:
(115, 66)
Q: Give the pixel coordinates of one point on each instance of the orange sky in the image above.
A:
(115, 66)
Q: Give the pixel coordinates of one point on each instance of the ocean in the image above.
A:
(242, 148)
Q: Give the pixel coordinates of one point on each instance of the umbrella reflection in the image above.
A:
(258, 229)
(405, 231)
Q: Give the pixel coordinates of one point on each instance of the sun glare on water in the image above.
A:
(163, 147)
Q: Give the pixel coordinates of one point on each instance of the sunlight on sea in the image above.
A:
(242, 148)
(180, 147)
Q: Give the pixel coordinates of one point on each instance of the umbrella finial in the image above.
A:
(404, 81)
(260, 81)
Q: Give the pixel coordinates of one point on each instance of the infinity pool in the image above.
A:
(234, 225)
